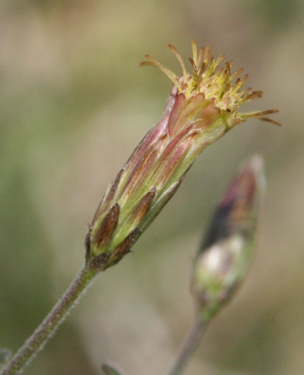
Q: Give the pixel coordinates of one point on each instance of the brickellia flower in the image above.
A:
(227, 249)
(202, 106)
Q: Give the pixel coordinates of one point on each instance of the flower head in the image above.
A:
(201, 107)
(226, 252)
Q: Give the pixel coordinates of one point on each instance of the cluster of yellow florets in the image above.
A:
(217, 84)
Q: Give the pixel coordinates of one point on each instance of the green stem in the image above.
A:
(47, 328)
(189, 346)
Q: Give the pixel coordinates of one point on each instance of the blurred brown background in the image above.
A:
(74, 104)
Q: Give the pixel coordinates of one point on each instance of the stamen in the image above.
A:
(247, 91)
(194, 52)
(270, 120)
(201, 71)
(218, 61)
(240, 83)
(194, 66)
(192, 84)
(172, 76)
(146, 63)
(268, 112)
(209, 70)
(235, 74)
(228, 67)
(253, 95)
(200, 56)
(214, 65)
(260, 114)
(179, 58)
(207, 54)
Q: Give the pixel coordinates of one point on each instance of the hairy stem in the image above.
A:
(47, 328)
(189, 346)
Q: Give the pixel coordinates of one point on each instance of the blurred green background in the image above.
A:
(73, 105)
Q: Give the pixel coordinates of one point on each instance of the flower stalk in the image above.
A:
(50, 324)
(189, 346)
(202, 106)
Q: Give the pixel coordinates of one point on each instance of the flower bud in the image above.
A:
(226, 251)
(201, 108)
